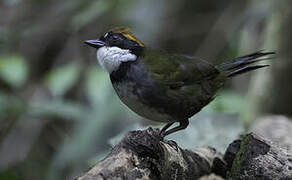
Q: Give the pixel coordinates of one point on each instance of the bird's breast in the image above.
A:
(138, 91)
(133, 96)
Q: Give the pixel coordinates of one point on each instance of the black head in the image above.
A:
(119, 37)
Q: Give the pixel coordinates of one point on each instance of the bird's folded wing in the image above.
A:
(178, 70)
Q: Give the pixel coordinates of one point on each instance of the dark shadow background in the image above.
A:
(57, 107)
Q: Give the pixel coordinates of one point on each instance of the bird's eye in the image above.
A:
(115, 38)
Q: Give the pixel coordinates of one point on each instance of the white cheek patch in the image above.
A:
(110, 58)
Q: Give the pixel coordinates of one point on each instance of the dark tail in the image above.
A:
(244, 63)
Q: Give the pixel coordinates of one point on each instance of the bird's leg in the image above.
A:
(165, 127)
(182, 125)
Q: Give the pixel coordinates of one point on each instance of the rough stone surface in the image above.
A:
(256, 158)
(277, 129)
(143, 155)
(211, 177)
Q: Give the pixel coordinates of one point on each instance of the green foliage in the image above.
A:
(97, 86)
(10, 106)
(227, 102)
(8, 175)
(67, 110)
(94, 10)
(62, 78)
(14, 70)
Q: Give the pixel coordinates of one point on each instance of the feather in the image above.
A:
(243, 64)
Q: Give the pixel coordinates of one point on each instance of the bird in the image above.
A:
(161, 86)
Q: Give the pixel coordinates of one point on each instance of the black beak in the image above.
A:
(95, 43)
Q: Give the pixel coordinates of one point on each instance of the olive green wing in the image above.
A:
(186, 84)
(178, 70)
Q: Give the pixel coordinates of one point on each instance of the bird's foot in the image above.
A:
(162, 135)
(173, 144)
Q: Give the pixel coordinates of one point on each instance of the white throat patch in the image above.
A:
(110, 58)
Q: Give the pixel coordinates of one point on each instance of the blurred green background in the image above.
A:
(58, 112)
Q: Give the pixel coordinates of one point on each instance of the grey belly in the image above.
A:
(125, 92)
